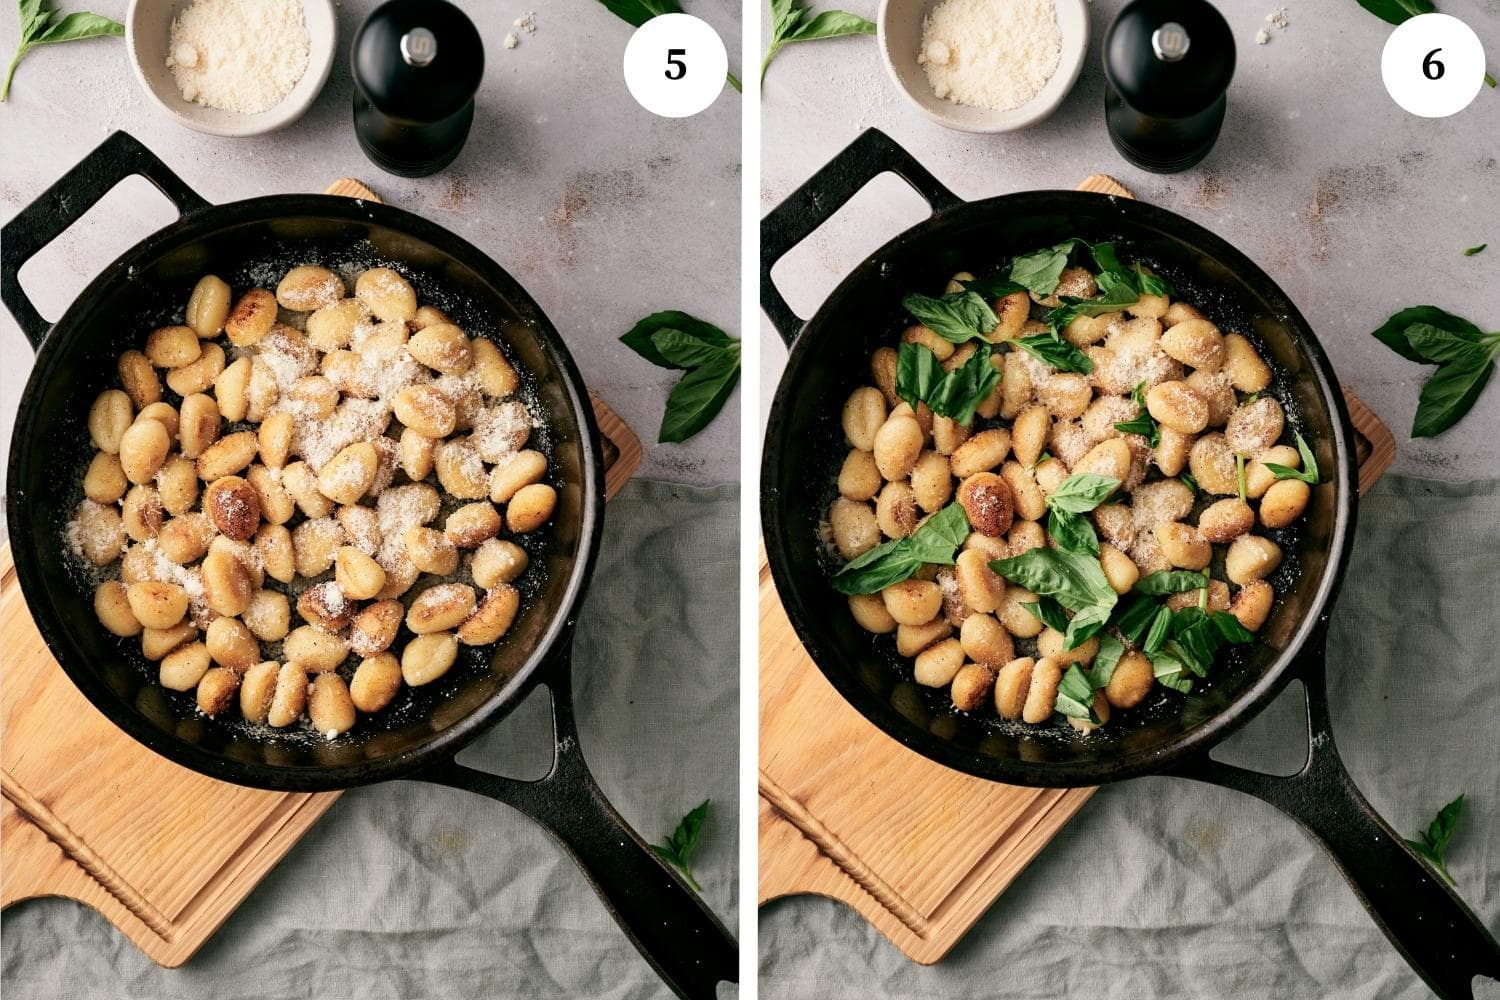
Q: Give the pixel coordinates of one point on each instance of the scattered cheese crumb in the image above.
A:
(527, 23)
(1276, 19)
(994, 54)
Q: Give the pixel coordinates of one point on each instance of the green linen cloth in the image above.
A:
(1163, 888)
(409, 890)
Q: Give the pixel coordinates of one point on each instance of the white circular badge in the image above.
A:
(1433, 65)
(675, 65)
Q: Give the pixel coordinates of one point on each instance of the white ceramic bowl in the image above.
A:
(899, 26)
(148, 29)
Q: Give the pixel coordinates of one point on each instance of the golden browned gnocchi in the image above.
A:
(304, 498)
(1135, 448)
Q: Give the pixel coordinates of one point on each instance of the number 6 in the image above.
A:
(1429, 64)
(674, 61)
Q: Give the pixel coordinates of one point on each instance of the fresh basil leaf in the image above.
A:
(1142, 423)
(934, 541)
(1171, 581)
(1082, 492)
(1475, 251)
(1086, 624)
(956, 394)
(1040, 271)
(1439, 345)
(638, 12)
(1074, 579)
(957, 317)
(1047, 611)
(1309, 460)
(1107, 260)
(1189, 482)
(789, 23)
(1448, 394)
(1116, 297)
(993, 287)
(917, 371)
(38, 27)
(1195, 643)
(1397, 11)
(937, 538)
(1160, 630)
(1073, 532)
(1174, 648)
(697, 398)
(686, 351)
(639, 337)
(1059, 354)
(1151, 284)
(961, 391)
(887, 563)
(1307, 474)
(1170, 672)
(1136, 617)
(677, 849)
(1434, 843)
(1392, 333)
(1108, 657)
(1440, 830)
(1230, 628)
(1075, 695)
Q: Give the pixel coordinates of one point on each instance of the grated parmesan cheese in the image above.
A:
(243, 56)
(993, 54)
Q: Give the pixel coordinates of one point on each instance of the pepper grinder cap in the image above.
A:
(418, 61)
(1169, 58)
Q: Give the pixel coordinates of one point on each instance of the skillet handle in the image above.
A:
(823, 194)
(674, 930)
(65, 202)
(1432, 928)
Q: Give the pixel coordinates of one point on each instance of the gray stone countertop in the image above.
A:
(601, 210)
(1355, 207)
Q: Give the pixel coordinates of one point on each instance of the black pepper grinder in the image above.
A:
(1167, 65)
(417, 65)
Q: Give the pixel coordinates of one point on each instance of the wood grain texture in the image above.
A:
(918, 850)
(164, 853)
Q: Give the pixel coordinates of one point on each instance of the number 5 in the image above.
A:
(674, 61)
(1432, 68)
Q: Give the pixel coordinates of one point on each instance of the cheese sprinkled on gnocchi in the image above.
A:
(303, 500)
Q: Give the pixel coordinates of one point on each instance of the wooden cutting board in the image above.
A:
(164, 853)
(918, 850)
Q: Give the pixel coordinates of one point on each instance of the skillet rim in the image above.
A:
(1306, 641)
(554, 645)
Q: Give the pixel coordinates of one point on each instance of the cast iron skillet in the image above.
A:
(676, 933)
(1427, 922)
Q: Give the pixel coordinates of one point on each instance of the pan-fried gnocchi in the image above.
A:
(304, 499)
(1152, 394)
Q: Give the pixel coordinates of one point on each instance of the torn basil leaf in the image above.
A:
(920, 378)
(1171, 581)
(1075, 695)
(1058, 353)
(935, 541)
(958, 317)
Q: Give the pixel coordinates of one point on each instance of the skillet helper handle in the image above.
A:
(823, 194)
(1432, 928)
(65, 202)
(669, 924)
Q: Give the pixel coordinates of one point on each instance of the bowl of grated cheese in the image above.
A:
(984, 65)
(231, 67)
